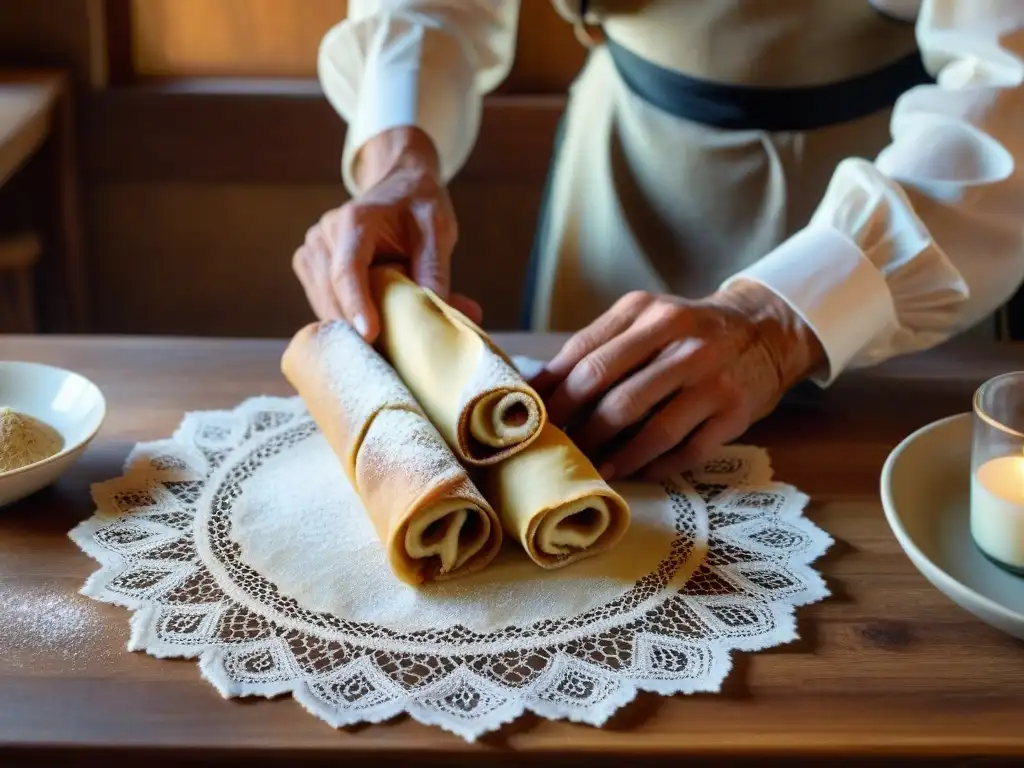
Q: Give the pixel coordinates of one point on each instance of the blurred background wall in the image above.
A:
(203, 150)
(160, 161)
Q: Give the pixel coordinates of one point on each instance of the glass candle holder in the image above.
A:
(997, 471)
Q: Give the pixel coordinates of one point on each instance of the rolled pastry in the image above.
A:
(432, 520)
(467, 386)
(553, 501)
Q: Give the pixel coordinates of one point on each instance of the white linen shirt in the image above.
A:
(903, 251)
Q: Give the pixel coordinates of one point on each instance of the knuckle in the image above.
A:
(300, 260)
(635, 302)
(620, 409)
(666, 315)
(728, 390)
(331, 223)
(577, 346)
(669, 311)
(330, 216)
(588, 374)
(350, 215)
(341, 272)
(313, 235)
(712, 323)
(696, 362)
(660, 432)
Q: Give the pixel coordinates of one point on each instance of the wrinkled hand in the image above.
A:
(403, 211)
(656, 384)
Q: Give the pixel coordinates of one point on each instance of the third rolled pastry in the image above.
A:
(554, 502)
(467, 386)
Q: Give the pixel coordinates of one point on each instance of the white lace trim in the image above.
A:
(739, 566)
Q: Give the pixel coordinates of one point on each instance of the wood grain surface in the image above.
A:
(887, 668)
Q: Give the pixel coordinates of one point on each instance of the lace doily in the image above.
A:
(231, 543)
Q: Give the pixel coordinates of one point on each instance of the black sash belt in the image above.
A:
(741, 107)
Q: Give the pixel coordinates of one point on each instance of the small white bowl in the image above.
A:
(68, 402)
(926, 495)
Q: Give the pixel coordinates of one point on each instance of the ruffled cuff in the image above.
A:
(829, 282)
(390, 89)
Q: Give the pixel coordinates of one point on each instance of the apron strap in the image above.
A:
(743, 107)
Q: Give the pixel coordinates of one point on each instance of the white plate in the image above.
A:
(68, 402)
(926, 497)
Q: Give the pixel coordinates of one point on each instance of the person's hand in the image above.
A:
(657, 383)
(403, 212)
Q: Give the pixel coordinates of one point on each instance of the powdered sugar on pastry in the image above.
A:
(432, 520)
(404, 444)
(479, 402)
(360, 379)
(455, 528)
(501, 414)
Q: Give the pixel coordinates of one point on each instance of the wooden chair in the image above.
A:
(18, 258)
(35, 111)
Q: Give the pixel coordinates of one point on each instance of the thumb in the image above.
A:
(350, 277)
(431, 267)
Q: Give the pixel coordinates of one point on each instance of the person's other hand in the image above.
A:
(403, 212)
(657, 383)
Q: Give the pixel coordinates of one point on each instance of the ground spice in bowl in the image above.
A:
(25, 440)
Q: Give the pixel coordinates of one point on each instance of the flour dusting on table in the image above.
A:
(63, 627)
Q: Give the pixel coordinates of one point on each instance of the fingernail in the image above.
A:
(607, 471)
(359, 323)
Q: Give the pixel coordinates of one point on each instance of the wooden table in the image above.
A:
(887, 667)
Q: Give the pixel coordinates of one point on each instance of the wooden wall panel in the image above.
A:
(53, 33)
(231, 37)
(215, 259)
(201, 131)
(280, 38)
(187, 187)
(196, 200)
(548, 56)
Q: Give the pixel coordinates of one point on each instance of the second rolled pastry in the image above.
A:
(554, 502)
(432, 520)
(466, 385)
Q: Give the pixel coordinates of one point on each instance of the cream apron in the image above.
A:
(677, 197)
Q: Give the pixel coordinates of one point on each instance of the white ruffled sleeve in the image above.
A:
(928, 239)
(423, 63)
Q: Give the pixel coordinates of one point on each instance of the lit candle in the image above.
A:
(997, 510)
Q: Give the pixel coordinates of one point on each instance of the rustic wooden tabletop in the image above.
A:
(885, 668)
